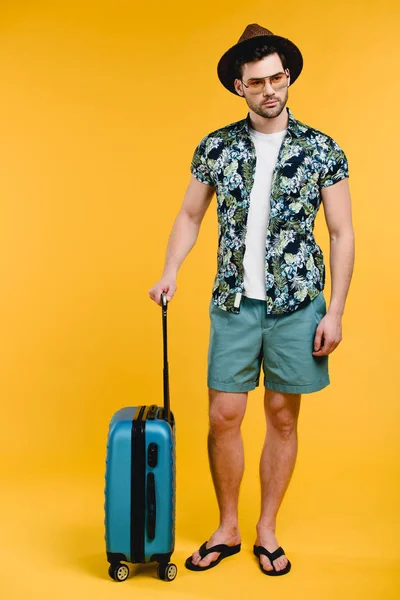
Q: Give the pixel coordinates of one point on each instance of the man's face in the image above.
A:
(269, 65)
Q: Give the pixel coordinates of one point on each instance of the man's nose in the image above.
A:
(268, 89)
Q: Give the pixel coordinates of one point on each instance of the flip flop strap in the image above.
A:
(203, 551)
(271, 555)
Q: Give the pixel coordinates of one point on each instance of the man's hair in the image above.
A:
(256, 52)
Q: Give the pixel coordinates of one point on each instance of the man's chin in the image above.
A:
(271, 112)
(268, 112)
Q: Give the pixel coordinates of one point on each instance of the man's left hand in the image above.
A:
(328, 335)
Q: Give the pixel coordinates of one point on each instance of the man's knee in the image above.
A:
(282, 411)
(226, 410)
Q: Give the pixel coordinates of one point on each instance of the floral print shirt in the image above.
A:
(308, 160)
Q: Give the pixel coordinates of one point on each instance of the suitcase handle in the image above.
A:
(164, 305)
(151, 507)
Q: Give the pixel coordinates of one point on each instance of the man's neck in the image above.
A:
(273, 125)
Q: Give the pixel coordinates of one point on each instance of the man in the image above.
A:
(270, 173)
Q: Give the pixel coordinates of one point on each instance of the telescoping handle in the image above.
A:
(164, 306)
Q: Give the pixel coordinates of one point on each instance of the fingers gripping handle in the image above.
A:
(164, 305)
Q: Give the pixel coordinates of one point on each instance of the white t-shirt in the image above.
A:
(267, 148)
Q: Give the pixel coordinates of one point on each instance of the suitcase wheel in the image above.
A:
(118, 572)
(167, 572)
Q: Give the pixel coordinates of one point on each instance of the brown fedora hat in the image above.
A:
(256, 35)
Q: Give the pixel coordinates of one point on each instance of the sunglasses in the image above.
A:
(256, 86)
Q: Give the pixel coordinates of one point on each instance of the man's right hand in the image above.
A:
(166, 284)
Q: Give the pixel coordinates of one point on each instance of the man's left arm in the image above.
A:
(337, 209)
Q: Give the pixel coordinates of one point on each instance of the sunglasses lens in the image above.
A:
(279, 81)
(256, 86)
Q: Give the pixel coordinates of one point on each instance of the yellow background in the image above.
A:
(101, 107)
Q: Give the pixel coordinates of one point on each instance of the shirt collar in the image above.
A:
(293, 125)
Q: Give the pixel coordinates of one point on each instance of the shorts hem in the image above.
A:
(307, 388)
(232, 387)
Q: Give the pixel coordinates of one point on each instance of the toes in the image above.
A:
(204, 562)
(207, 560)
(266, 563)
(280, 563)
(195, 558)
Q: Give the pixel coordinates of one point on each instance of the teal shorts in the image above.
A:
(241, 342)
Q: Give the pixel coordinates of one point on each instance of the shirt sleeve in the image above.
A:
(199, 167)
(335, 166)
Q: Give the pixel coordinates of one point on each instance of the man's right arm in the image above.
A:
(183, 235)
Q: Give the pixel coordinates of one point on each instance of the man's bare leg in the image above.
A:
(276, 467)
(226, 457)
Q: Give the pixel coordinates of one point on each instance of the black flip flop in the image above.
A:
(203, 551)
(258, 550)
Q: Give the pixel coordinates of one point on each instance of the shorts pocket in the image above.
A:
(218, 316)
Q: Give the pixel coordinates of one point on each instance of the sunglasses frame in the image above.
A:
(269, 81)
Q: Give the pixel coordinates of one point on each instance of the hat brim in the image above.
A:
(226, 64)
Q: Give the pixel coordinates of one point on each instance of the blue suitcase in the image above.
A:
(140, 487)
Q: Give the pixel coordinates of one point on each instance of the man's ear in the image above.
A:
(238, 87)
(288, 74)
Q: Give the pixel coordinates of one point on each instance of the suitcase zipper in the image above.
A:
(138, 461)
